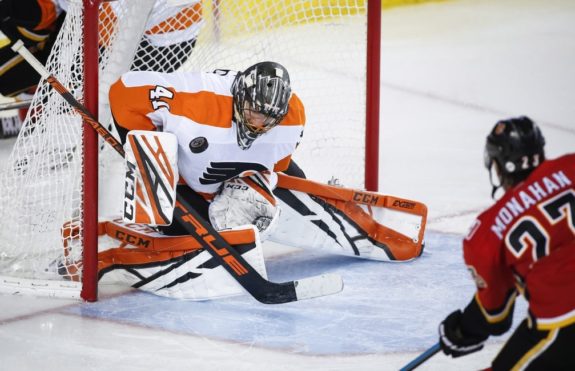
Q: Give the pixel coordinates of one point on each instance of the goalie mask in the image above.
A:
(261, 95)
(516, 146)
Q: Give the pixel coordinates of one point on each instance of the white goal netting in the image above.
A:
(322, 43)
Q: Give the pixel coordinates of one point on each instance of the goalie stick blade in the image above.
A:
(313, 287)
(306, 288)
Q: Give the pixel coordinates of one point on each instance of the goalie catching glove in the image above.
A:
(151, 177)
(246, 200)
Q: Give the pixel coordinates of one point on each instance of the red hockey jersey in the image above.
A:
(527, 240)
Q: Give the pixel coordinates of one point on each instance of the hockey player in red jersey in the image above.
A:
(524, 244)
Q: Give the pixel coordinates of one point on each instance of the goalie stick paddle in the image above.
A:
(422, 358)
(261, 289)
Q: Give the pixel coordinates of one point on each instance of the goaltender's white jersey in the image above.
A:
(198, 108)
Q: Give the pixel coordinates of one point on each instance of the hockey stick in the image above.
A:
(15, 105)
(261, 289)
(422, 358)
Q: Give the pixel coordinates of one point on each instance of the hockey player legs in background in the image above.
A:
(171, 33)
(524, 244)
(36, 23)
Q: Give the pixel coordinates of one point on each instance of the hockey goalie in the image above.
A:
(224, 141)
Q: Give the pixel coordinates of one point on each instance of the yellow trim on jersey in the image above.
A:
(10, 64)
(4, 41)
(557, 322)
(31, 35)
(500, 316)
(536, 350)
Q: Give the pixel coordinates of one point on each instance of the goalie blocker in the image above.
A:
(151, 165)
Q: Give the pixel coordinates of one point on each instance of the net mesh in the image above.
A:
(322, 44)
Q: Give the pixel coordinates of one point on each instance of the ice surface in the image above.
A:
(449, 71)
(380, 304)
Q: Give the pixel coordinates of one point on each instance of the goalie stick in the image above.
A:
(261, 289)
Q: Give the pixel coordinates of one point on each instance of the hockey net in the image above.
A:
(322, 43)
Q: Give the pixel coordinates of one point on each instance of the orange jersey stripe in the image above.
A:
(296, 112)
(131, 105)
(195, 106)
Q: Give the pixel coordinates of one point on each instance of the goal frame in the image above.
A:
(89, 290)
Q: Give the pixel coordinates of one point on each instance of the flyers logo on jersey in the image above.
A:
(219, 172)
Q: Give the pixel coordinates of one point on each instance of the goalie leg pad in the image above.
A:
(190, 274)
(338, 227)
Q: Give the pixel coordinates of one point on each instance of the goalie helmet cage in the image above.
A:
(49, 187)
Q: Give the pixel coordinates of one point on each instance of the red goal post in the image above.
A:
(330, 47)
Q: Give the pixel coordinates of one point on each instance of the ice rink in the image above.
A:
(450, 70)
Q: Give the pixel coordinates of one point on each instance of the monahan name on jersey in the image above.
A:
(526, 198)
(198, 108)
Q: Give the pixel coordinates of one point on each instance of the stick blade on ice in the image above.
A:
(313, 287)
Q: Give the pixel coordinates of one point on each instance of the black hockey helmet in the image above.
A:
(516, 146)
(263, 88)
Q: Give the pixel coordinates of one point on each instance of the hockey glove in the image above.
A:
(246, 200)
(454, 341)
